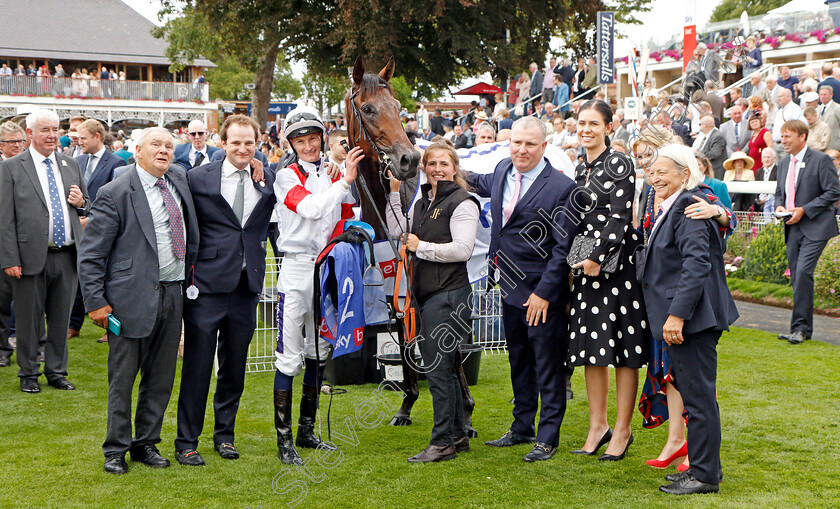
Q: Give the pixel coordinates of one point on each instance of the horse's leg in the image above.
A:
(410, 389)
(466, 395)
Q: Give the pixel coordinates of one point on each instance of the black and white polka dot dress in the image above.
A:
(607, 325)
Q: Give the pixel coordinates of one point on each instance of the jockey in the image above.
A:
(311, 207)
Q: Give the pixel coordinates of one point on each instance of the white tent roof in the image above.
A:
(801, 5)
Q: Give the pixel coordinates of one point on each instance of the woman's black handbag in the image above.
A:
(582, 247)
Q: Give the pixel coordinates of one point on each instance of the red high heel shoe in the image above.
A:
(682, 467)
(677, 457)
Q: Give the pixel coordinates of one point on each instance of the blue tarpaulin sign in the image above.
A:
(277, 108)
(606, 46)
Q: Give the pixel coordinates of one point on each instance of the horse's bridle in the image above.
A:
(384, 159)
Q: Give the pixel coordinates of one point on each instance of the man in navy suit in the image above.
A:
(197, 152)
(233, 213)
(533, 227)
(806, 187)
(97, 165)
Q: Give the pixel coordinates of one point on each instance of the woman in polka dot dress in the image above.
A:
(607, 327)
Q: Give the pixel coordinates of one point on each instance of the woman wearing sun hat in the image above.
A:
(738, 169)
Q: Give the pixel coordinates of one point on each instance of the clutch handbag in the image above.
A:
(582, 247)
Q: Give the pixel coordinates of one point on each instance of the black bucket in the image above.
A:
(471, 361)
(395, 359)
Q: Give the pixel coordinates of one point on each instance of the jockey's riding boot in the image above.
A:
(283, 423)
(306, 425)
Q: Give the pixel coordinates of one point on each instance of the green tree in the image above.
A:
(227, 81)
(402, 91)
(732, 9)
(435, 44)
(325, 89)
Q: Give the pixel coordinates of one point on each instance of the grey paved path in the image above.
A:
(777, 320)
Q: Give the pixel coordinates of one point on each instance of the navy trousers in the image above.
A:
(229, 320)
(695, 369)
(537, 355)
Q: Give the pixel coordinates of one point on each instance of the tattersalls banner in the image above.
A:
(689, 32)
(606, 46)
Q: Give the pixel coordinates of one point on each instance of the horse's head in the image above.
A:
(373, 120)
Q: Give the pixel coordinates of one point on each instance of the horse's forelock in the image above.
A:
(371, 83)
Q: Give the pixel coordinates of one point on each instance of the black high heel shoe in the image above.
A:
(604, 440)
(610, 457)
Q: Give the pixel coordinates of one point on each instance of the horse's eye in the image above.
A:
(367, 109)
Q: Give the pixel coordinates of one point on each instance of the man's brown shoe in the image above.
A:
(434, 453)
(72, 333)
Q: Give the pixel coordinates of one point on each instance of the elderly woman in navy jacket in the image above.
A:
(688, 306)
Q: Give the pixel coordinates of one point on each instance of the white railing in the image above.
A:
(486, 317)
(95, 88)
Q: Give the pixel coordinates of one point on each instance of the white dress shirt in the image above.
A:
(171, 268)
(194, 155)
(799, 158)
(789, 112)
(92, 163)
(230, 181)
(41, 170)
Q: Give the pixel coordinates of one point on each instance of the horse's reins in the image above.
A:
(408, 312)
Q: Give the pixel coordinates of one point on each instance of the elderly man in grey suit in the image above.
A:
(829, 112)
(735, 131)
(806, 188)
(42, 197)
(712, 144)
(142, 236)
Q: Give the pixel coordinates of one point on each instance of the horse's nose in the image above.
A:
(408, 163)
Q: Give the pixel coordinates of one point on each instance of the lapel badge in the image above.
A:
(262, 183)
(802, 165)
(63, 162)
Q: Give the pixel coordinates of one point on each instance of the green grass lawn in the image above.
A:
(761, 290)
(779, 406)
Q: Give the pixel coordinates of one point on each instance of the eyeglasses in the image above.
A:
(198, 133)
(13, 142)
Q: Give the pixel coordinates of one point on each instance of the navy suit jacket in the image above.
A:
(684, 272)
(182, 154)
(817, 188)
(530, 249)
(219, 155)
(103, 173)
(222, 240)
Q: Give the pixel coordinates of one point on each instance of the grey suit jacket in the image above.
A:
(817, 188)
(715, 149)
(832, 118)
(727, 129)
(118, 261)
(716, 103)
(23, 207)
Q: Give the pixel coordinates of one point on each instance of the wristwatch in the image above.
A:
(720, 213)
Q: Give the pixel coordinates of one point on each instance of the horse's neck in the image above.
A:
(370, 173)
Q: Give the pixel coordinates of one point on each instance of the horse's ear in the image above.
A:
(388, 71)
(358, 70)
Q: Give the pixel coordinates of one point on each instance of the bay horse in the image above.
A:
(373, 123)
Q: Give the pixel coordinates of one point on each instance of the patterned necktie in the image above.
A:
(515, 198)
(199, 159)
(790, 192)
(737, 135)
(56, 206)
(239, 197)
(176, 226)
